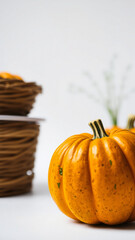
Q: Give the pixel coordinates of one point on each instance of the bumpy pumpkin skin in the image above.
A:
(93, 180)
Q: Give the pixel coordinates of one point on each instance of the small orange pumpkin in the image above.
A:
(130, 125)
(5, 75)
(92, 179)
(114, 128)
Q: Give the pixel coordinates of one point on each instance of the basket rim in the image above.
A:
(20, 118)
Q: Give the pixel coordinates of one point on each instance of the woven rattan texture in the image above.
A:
(18, 142)
(17, 97)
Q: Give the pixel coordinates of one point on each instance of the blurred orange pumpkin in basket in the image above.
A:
(17, 96)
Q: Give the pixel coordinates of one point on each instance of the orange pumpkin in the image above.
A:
(92, 179)
(130, 125)
(114, 128)
(5, 75)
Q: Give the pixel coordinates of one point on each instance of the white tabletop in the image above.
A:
(34, 216)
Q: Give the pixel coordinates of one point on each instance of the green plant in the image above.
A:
(110, 94)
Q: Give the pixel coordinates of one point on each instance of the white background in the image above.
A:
(53, 42)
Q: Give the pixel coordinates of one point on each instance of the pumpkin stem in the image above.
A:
(98, 129)
(131, 121)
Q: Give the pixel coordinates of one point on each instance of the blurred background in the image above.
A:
(70, 47)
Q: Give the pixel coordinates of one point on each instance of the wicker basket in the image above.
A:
(18, 141)
(17, 97)
(18, 135)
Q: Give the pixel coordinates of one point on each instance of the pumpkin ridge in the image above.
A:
(129, 164)
(76, 188)
(77, 142)
(91, 180)
(59, 198)
(62, 164)
(111, 196)
(53, 194)
(131, 143)
(73, 137)
(132, 215)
